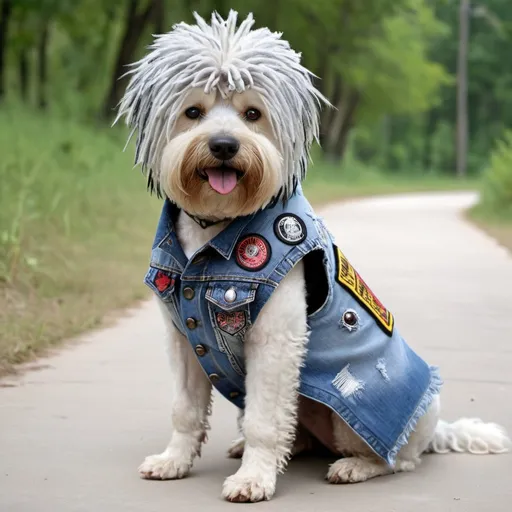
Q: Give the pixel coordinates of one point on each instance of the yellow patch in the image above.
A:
(348, 277)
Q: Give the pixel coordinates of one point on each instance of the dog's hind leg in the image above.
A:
(361, 463)
(236, 450)
(190, 409)
(274, 351)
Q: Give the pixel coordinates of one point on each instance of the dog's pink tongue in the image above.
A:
(222, 181)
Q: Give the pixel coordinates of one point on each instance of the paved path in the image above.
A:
(73, 434)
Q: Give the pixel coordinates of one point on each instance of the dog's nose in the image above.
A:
(223, 147)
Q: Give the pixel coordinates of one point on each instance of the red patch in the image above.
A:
(231, 322)
(163, 281)
(253, 252)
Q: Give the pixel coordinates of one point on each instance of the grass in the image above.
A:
(496, 224)
(325, 182)
(76, 226)
(494, 211)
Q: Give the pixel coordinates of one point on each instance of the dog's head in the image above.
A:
(225, 116)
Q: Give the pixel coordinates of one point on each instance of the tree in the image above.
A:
(136, 20)
(462, 89)
(5, 18)
(42, 65)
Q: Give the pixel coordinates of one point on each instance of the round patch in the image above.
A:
(253, 252)
(290, 229)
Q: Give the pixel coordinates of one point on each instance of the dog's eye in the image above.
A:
(193, 112)
(252, 114)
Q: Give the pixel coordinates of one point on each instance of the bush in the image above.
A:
(497, 187)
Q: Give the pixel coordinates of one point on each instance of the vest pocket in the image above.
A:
(228, 307)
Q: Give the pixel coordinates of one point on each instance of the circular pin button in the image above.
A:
(230, 295)
(350, 318)
(290, 229)
(188, 293)
(200, 350)
(191, 323)
(213, 377)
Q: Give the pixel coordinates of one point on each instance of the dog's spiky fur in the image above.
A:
(220, 57)
(224, 72)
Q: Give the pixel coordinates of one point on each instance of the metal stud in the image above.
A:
(200, 350)
(191, 323)
(230, 295)
(188, 293)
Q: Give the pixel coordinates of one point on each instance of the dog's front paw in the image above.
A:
(243, 489)
(164, 467)
(236, 449)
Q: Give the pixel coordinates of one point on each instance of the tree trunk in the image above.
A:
(342, 122)
(5, 16)
(42, 67)
(462, 89)
(329, 114)
(23, 74)
(134, 28)
(339, 149)
(159, 17)
(430, 129)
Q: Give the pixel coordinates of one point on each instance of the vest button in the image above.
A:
(191, 323)
(200, 350)
(234, 394)
(230, 295)
(213, 378)
(188, 293)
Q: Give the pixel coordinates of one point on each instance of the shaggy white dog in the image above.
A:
(225, 118)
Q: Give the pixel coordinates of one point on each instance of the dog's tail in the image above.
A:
(469, 435)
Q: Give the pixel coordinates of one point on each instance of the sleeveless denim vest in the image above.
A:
(357, 364)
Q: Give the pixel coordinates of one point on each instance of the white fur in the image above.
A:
(224, 71)
(470, 435)
(189, 412)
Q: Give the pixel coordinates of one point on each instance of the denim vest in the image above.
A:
(357, 364)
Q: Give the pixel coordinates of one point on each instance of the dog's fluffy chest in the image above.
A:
(192, 236)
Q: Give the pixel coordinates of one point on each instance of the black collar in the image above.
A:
(204, 223)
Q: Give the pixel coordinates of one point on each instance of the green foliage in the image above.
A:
(490, 82)
(399, 78)
(388, 66)
(497, 187)
(76, 225)
(63, 181)
(356, 48)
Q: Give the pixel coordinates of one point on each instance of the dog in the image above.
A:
(258, 300)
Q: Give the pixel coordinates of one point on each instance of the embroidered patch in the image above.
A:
(347, 276)
(253, 252)
(163, 281)
(290, 229)
(232, 322)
